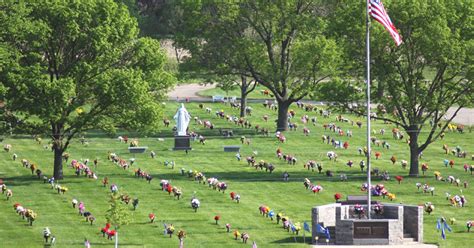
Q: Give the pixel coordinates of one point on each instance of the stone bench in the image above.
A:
(231, 148)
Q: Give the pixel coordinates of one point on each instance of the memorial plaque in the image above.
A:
(182, 143)
(370, 230)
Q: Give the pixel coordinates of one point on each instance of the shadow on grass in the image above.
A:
(296, 239)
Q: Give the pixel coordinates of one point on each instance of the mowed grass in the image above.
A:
(256, 187)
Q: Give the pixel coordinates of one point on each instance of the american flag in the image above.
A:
(377, 11)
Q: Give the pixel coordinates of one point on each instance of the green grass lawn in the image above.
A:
(256, 187)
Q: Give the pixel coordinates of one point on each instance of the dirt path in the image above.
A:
(188, 91)
(465, 116)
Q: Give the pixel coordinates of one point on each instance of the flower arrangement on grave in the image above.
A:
(429, 207)
(377, 155)
(391, 196)
(393, 159)
(217, 218)
(359, 210)
(451, 163)
(378, 190)
(378, 209)
(424, 167)
(181, 234)
(317, 188)
(236, 234)
(437, 175)
(399, 179)
(452, 220)
(418, 186)
(364, 187)
(337, 196)
(152, 217)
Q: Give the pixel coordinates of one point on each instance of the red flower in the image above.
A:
(399, 179)
(217, 218)
(337, 196)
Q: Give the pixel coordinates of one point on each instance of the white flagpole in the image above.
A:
(368, 112)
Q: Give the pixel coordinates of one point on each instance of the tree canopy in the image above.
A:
(74, 66)
(429, 73)
(280, 44)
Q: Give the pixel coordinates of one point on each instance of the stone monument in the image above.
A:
(181, 138)
(394, 224)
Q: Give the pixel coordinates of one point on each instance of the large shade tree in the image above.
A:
(78, 65)
(431, 72)
(280, 44)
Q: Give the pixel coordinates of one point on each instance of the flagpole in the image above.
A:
(368, 111)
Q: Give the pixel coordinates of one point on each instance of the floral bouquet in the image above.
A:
(399, 179)
(391, 196)
(378, 209)
(429, 207)
(337, 196)
(359, 210)
(418, 186)
(217, 218)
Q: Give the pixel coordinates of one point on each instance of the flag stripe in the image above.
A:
(377, 11)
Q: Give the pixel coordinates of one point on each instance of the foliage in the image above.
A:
(439, 44)
(118, 215)
(279, 44)
(74, 66)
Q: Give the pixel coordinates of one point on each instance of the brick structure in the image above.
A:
(399, 224)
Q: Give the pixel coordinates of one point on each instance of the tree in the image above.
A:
(75, 66)
(429, 73)
(280, 44)
(117, 215)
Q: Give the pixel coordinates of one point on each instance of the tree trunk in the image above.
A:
(58, 163)
(282, 122)
(243, 96)
(243, 103)
(414, 155)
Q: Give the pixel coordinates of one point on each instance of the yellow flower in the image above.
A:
(391, 196)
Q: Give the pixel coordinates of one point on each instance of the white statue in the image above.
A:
(182, 119)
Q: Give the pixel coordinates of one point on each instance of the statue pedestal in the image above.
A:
(182, 143)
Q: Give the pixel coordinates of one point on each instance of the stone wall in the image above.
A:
(413, 222)
(323, 215)
(344, 232)
(401, 221)
(391, 212)
(395, 227)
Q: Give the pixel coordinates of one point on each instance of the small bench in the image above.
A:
(217, 98)
(231, 148)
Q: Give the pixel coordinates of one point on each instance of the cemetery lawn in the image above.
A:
(255, 186)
